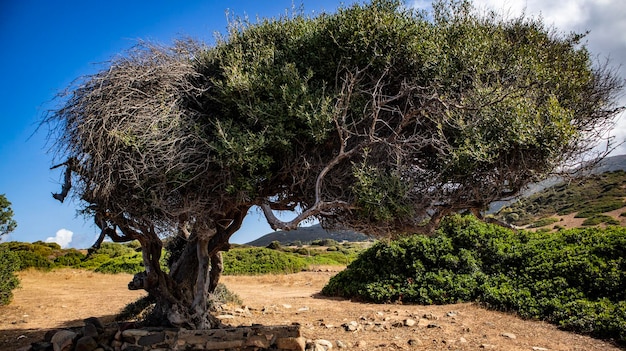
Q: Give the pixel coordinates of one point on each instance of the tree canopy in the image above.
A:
(376, 117)
(7, 223)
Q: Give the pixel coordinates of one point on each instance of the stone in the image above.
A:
(451, 314)
(509, 335)
(258, 341)
(430, 316)
(151, 339)
(225, 316)
(409, 322)
(134, 333)
(295, 344)
(95, 321)
(327, 344)
(63, 340)
(223, 345)
(414, 342)
(49, 334)
(462, 340)
(351, 326)
(86, 343)
(90, 330)
(487, 346)
(537, 348)
(433, 325)
(340, 344)
(41, 346)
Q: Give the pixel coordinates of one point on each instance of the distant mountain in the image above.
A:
(307, 235)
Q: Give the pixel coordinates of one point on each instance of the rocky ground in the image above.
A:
(64, 298)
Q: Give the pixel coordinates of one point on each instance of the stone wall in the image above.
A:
(95, 337)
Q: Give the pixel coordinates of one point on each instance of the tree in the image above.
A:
(7, 223)
(376, 118)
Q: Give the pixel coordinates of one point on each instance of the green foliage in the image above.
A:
(261, 261)
(9, 264)
(543, 222)
(128, 263)
(598, 219)
(114, 250)
(274, 245)
(573, 278)
(7, 223)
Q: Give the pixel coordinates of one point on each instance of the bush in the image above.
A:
(130, 263)
(9, 264)
(261, 261)
(543, 222)
(599, 219)
(573, 278)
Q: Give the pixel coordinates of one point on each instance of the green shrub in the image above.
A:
(543, 222)
(261, 261)
(116, 250)
(599, 219)
(130, 263)
(71, 258)
(9, 264)
(573, 278)
(600, 206)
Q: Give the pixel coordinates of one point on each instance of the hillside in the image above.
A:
(307, 235)
(595, 199)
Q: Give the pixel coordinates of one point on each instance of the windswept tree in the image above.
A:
(376, 118)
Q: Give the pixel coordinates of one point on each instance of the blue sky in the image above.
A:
(47, 44)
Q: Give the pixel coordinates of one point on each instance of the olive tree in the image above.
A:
(376, 118)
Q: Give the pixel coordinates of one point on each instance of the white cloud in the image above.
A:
(63, 238)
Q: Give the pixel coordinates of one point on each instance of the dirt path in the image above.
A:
(65, 297)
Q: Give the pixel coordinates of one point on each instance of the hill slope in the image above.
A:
(307, 235)
(596, 199)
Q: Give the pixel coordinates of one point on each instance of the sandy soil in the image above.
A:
(65, 297)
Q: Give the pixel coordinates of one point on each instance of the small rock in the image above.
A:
(487, 346)
(303, 309)
(415, 342)
(86, 343)
(451, 314)
(409, 322)
(430, 316)
(225, 316)
(352, 326)
(462, 340)
(90, 330)
(537, 348)
(509, 335)
(433, 325)
(361, 344)
(325, 344)
(95, 321)
(286, 305)
(62, 340)
(21, 337)
(340, 344)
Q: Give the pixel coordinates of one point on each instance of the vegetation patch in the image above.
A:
(543, 222)
(600, 219)
(573, 278)
(589, 196)
(9, 264)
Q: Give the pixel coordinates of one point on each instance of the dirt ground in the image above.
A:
(64, 298)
